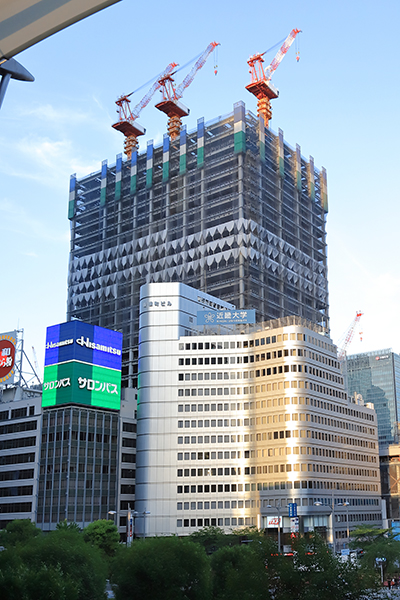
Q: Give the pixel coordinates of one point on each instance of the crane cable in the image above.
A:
(162, 73)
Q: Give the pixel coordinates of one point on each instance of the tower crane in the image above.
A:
(347, 337)
(127, 117)
(260, 84)
(170, 104)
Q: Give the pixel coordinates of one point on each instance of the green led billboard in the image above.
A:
(82, 383)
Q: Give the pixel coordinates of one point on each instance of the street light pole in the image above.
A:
(346, 504)
(332, 509)
(113, 513)
(145, 512)
(278, 508)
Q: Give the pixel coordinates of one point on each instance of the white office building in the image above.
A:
(237, 422)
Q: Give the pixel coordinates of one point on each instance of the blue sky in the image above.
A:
(340, 103)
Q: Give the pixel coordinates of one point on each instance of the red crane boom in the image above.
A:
(348, 336)
(127, 117)
(170, 104)
(260, 78)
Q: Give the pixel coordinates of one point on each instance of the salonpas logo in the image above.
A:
(93, 346)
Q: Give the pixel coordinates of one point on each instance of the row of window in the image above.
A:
(17, 427)
(21, 490)
(270, 387)
(271, 419)
(17, 413)
(268, 503)
(263, 486)
(248, 521)
(83, 436)
(260, 404)
(219, 345)
(282, 468)
(73, 485)
(80, 417)
(213, 505)
(73, 451)
(16, 475)
(14, 459)
(294, 368)
(82, 468)
(251, 358)
(16, 507)
(233, 439)
(17, 443)
(227, 522)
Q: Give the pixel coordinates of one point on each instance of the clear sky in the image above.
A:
(340, 103)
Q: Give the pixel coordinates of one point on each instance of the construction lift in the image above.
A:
(127, 117)
(170, 104)
(261, 85)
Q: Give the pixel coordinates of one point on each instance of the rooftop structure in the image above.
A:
(229, 208)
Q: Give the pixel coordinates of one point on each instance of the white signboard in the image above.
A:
(294, 525)
(274, 522)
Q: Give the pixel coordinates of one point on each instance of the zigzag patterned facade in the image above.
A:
(241, 216)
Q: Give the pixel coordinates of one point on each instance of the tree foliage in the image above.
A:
(239, 573)
(64, 525)
(58, 565)
(315, 572)
(19, 531)
(104, 535)
(377, 543)
(162, 569)
(212, 538)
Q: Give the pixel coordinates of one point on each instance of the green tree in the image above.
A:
(316, 573)
(162, 569)
(239, 573)
(104, 535)
(19, 531)
(72, 526)
(212, 538)
(61, 557)
(377, 543)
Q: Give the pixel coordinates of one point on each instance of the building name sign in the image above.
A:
(225, 317)
(384, 356)
(158, 303)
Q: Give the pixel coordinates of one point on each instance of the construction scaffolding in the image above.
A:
(229, 208)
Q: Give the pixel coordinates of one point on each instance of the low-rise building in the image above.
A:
(20, 434)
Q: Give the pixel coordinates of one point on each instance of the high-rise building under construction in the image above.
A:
(229, 208)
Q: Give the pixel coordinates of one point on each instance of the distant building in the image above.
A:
(390, 479)
(237, 422)
(20, 435)
(376, 376)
